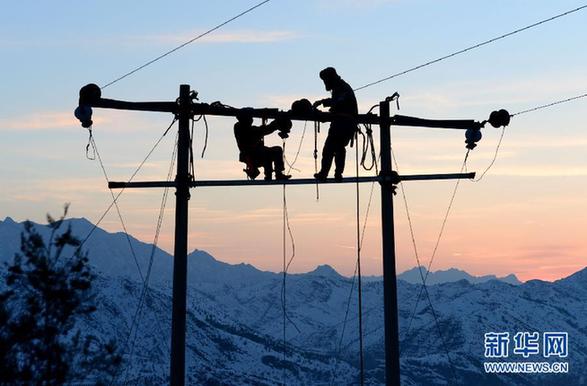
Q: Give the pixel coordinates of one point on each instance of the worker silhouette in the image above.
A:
(343, 128)
(253, 152)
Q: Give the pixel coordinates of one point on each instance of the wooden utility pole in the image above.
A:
(390, 314)
(180, 250)
(185, 109)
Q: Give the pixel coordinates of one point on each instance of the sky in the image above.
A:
(526, 216)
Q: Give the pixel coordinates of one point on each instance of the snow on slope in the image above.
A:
(235, 326)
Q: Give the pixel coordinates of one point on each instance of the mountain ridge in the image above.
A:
(236, 313)
(162, 271)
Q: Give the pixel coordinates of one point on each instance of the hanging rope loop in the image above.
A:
(368, 149)
(90, 155)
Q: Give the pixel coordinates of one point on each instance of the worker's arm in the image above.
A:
(264, 130)
(324, 102)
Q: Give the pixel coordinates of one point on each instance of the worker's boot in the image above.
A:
(321, 176)
(281, 177)
(338, 177)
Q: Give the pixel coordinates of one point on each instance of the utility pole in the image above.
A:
(185, 109)
(180, 263)
(390, 314)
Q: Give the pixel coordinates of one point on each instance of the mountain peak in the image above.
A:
(324, 270)
(8, 220)
(202, 256)
(451, 275)
(579, 277)
(79, 220)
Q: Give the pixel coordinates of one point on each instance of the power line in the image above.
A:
(122, 190)
(549, 105)
(492, 161)
(186, 43)
(422, 277)
(359, 284)
(114, 200)
(136, 318)
(472, 47)
(339, 346)
(126, 233)
(540, 107)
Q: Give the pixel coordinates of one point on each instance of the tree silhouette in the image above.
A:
(48, 287)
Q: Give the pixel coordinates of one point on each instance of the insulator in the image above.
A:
(472, 136)
(89, 93)
(499, 118)
(84, 114)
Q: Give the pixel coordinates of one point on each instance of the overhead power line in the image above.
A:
(186, 43)
(472, 47)
(550, 104)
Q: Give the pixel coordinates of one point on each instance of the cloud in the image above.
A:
(541, 171)
(240, 36)
(45, 120)
(356, 3)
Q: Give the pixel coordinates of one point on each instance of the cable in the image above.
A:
(206, 137)
(191, 151)
(359, 286)
(283, 287)
(492, 161)
(185, 44)
(368, 144)
(291, 166)
(549, 105)
(516, 114)
(339, 346)
(286, 226)
(472, 47)
(126, 233)
(423, 287)
(316, 132)
(348, 304)
(136, 318)
(132, 250)
(123, 189)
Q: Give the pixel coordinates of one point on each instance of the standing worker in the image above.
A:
(343, 128)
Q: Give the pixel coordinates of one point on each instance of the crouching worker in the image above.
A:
(253, 152)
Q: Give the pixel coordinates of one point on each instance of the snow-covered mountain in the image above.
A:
(451, 275)
(235, 322)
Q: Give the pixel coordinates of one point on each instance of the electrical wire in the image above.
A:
(423, 287)
(132, 250)
(339, 346)
(359, 285)
(291, 166)
(123, 189)
(549, 105)
(283, 298)
(126, 233)
(530, 110)
(492, 161)
(472, 47)
(287, 227)
(185, 44)
(134, 327)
